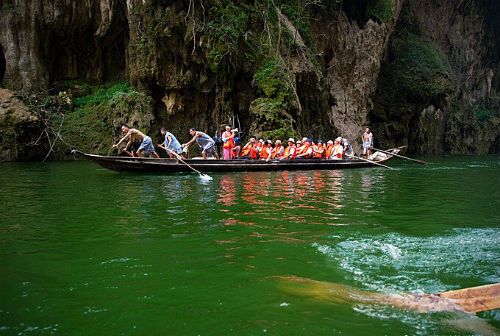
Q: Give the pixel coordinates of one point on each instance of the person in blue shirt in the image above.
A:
(170, 144)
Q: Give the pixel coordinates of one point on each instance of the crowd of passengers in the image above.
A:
(300, 149)
(255, 149)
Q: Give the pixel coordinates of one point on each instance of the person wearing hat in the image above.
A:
(306, 150)
(289, 153)
(338, 150)
(278, 150)
(329, 149)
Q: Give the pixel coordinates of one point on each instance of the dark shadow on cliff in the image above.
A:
(3, 64)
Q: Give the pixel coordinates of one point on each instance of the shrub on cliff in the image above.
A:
(271, 110)
(420, 68)
(92, 124)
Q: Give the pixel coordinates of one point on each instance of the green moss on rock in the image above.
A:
(420, 67)
(380, 10)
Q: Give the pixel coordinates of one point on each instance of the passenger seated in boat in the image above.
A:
(266, 150)
(338, 150)
(206, 143)
(306, 150)
(170, 144)
(319, 150)
(347, 147)
(289, 153)
(329, 149)
(300, 145)
(250, 150)
(236, 150)
(277, 152)
(146, 147)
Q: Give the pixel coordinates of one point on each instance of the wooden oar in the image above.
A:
(203, 176)
(476, 299)
(399, 156)
(375, 163)
(469, 300)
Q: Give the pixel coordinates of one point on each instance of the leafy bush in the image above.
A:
(482, 114)
(104, 94)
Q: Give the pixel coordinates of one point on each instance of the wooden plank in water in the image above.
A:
(476, 299)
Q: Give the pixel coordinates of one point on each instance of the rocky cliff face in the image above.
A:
(45, 41)
(423, 73)
(454, 108)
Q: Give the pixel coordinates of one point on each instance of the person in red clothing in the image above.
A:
(250, 150)
(290, 152)
(228, 143)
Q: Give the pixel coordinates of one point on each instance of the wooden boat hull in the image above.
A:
(150, 165)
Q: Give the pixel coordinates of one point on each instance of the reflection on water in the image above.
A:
(79, 246)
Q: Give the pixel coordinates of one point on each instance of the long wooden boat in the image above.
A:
(151, 165)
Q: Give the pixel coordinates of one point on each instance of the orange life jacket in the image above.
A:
(318, 152)
(265, 152)
(288, 150)
(306, 149)
(230, 139)
(277, 152)
(246, 149)
(329, 150)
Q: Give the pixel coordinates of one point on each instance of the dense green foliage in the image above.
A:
(226, 25)
(257, 36)
(420, 67)
(92, 121)
(272, 79)
(380, 10)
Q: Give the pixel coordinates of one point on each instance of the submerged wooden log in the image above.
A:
(468, 300)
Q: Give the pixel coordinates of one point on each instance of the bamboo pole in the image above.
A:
(399, 156)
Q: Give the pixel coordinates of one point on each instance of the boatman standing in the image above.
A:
(206, 143)
(367, 142)
(171, 144)
(146, 147)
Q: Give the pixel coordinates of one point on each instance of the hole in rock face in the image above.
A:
(3, 64)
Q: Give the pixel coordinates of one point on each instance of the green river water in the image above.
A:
(86, 251)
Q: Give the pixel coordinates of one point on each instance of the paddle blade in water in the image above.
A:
(205, 177)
